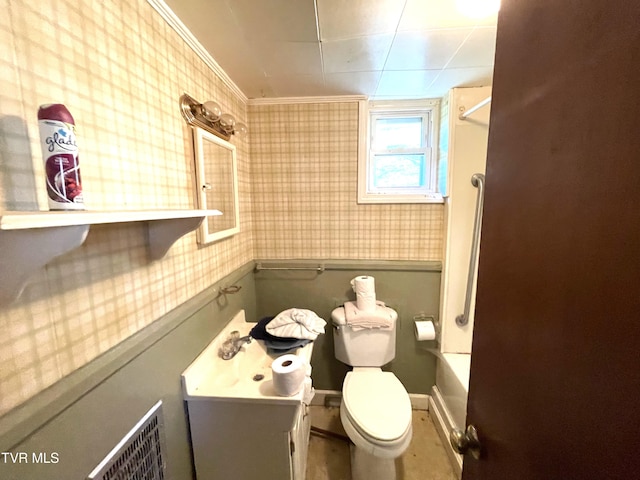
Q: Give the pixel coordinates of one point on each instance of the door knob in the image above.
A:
(466, 441)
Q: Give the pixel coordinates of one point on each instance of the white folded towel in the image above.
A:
(359, 319)
(296, 323)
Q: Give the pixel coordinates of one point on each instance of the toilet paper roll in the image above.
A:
(365, 288)
(289, 372)
(425, 330)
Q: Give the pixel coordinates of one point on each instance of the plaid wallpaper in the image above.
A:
(120, 69)
(304, 190)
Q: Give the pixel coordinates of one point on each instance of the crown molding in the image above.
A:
(174, 22)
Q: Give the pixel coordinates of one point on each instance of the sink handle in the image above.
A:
(233, 345)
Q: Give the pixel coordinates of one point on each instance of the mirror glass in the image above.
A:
(217, 184)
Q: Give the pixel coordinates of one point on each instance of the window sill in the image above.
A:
(382, 198)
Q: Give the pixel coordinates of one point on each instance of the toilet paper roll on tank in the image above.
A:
(365, 288)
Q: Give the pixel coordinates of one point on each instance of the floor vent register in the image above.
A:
(139, 455)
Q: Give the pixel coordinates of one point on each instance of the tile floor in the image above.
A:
(425, 459)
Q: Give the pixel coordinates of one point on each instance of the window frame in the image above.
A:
(370, 111)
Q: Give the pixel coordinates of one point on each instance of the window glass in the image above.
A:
(398, 171)
(394, 133)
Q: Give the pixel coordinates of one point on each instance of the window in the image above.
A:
(397, 161)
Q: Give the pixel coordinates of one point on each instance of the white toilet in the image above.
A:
(375, 409)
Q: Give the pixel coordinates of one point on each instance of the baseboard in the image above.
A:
(444, 424)
(326, 398)
(332, 398)
(419, 401)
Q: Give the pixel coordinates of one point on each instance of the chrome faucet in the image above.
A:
(233, 345)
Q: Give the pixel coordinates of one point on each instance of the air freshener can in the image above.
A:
(60, 153)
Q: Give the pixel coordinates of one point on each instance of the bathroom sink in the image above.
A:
(246, 377)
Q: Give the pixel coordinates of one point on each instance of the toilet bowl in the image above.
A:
(376, 412)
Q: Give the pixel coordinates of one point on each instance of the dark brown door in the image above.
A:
(555, 372)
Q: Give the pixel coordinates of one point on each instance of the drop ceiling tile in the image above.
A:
(340, 19)
(281, 20)
(252, 82)
(289, 58)
(361, 54)
(431, 14)
(278, 38)
(478, 50)
(462, 77)
(201, 21)
(425, 49)
(256, 90)
(407, 84)
(352, 83)
(297, 85)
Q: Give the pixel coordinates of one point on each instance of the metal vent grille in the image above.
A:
(139, 455)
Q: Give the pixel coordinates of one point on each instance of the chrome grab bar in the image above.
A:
(320, 268)
(477, 180)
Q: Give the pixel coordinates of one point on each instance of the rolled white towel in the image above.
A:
(296, 323)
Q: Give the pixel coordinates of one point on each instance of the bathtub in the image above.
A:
(448, 401)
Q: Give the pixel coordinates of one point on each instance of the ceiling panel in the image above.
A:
(352, 83)
(461, 77)
(406, 84)
(248, 78)
(360, 54)
(298, 86)
(430, 14)
(425, 49)
(286, 58)
(379, 48)
(281, 20)
(478, 50)
(340, 19)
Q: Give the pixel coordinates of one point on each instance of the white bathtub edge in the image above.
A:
(443, 423)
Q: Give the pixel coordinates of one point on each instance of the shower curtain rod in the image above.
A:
(466, 113)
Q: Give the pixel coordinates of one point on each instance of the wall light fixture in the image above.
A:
(208, 115)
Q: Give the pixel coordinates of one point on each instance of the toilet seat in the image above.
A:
(377, 406)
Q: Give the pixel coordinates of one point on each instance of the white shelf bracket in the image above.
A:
(26, 251)
(162, 234)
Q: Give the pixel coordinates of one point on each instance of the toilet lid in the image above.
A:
(377, 403)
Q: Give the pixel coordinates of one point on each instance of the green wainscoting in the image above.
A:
(408, 287)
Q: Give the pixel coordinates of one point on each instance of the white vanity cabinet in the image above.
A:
(300, 443)
(230, 443)
(240, 428)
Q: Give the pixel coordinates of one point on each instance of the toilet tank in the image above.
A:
(369, 347)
